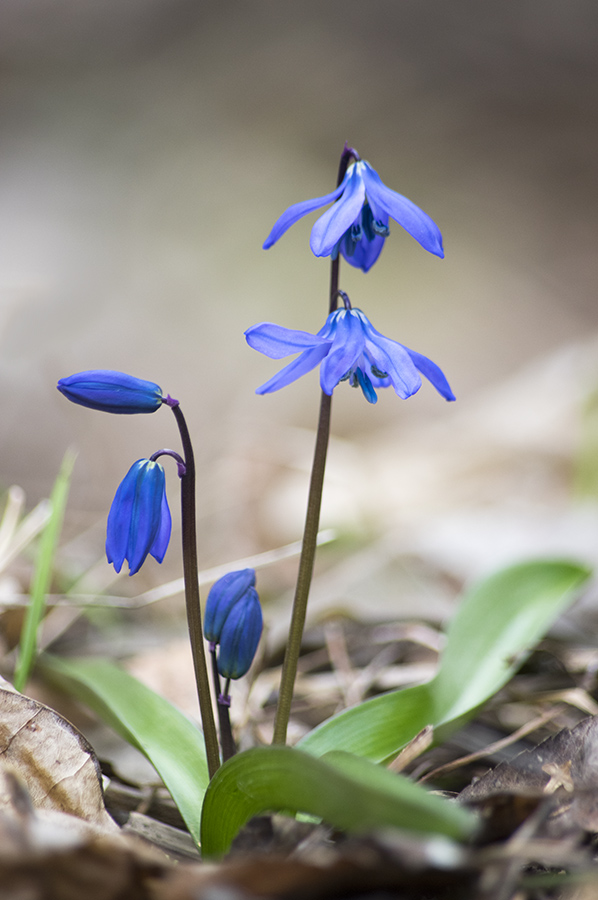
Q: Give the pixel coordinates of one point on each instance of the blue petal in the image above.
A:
(366, 385)
(413, 219)
(160, 545)
(300, 366)
(365, 253)
(275, 341)
(347, 347)
(433, 373)
(145, 517)
(390, 357)
(240, 636)
(114, 392)
(224, 594)
(298, 210)
(329, 228)
(139, 519)
(119, 517)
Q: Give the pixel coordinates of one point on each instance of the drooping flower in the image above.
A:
(357, 223)
(139, 520)
(113, 392)
(240, 635)
(348, 347)
(224, 594)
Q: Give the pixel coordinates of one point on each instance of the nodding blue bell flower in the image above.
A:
(347, 348)
(224, 594)
(240, 636)
(357, 224)
(113, 392)
(139, 520)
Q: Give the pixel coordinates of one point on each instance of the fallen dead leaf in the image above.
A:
(562, 769)
(46, 854)
(54, 761)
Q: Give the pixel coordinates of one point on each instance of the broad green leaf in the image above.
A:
(496, 626)
(43, 572)
(171, 742)
(345, 791)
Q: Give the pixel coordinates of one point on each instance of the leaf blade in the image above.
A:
(537, 592)
(346, 791)
(43, 572)
(173, 743)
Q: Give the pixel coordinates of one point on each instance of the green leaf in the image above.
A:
(345, 791)
(495, 627)
(43, 572)
(173, 744)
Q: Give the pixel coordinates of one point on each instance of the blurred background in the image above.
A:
(147, 147)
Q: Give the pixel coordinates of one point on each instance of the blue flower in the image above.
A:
(357, 224)
(348, 347)
(224, 594)
(113, 392)
(240, 635)
(139, 520)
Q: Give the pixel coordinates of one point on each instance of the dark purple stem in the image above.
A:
(227, 742)
(181, 467)
(191, 576)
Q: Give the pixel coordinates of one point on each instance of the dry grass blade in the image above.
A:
(526, 729)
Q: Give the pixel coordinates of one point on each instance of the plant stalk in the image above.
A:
(306, 566)
(227, 742)
(312, 523)
(191, 576)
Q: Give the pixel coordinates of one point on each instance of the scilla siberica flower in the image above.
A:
(139, 520)
(357, 224)
(240, 636)
(233, 619)
(223, 595)
(348, 348)
(113, 392)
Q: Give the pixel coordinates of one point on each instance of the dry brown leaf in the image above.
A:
(46, 854)
(51, 758)
(563, 767)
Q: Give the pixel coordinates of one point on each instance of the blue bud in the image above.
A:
(224, 594)
(113, 392)
(240, 636)
(139, 520)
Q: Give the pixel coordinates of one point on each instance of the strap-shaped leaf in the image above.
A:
(346, 791)
(495, 627)
(173, 744)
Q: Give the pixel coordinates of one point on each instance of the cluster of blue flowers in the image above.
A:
(139, 521)
(348, 347)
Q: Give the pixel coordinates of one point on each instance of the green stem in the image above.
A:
(191, 576)
(306, 565)
(312, 523)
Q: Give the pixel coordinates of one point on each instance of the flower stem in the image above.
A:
(191, 576)
(312, 523)
(306, 565)
(227, 742)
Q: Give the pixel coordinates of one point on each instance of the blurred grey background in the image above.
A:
(146, 149)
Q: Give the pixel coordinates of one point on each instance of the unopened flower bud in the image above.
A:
(113, 392)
